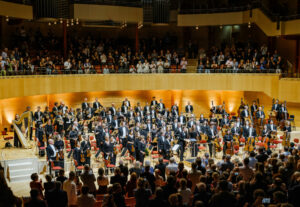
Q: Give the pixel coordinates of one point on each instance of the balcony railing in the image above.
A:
(129, 3)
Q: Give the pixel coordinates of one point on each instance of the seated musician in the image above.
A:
(51, 154)
(198, 128)
(251, 132)
(205, 127)
(253, 108)
(166, 113)
(227, 139)
(260, 115)
(265, 134)
(189, 108)
(182, 119)
(212, 135)
(138, 118)
(246, 129)
(130, 115)
(109, 118)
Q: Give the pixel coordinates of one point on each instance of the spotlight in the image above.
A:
(197, 27)
(221, 27)
(72, 20)
(49, 23)
(7, 19)
(61, 21)
(72, 23)
(68, 25)
(249, 26)
(55, 22)
(77, 22)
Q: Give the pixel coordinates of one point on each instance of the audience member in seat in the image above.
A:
(88, 179)
(37, 184)
(57, 197)
(142, 194)
(102, 181)
(131, 185)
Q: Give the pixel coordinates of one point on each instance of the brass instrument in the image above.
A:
(115, 132)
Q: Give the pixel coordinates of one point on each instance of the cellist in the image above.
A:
(228, 141)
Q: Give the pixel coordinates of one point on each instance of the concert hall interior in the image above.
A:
(141, 103)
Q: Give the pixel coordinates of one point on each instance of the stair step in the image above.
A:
(19, 178)
(21, 172)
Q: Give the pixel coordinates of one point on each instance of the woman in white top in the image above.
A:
(153, 67)
(146, 67)
(184, 192)
(103, 58)
(160, 67)
(139, 67)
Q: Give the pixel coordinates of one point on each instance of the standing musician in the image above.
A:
(77, 154)
(251, 132)
(283, 112)
(98, 135)
(287, 129)
(85, 148)
(59, 146)
(38, 115)
(141, 149)
(212, 135)
(40, 135)
(260, 115)
(175, 110)
(55, 109)
(253, 108)
(112, 150)
(73, 137)
(153, 102)
(113, 110)
(126, 103)
(164, 146)
(227, 139)
(17, 142)
(182, 119)
(191, 122)
(51, 154)
(189, 108)
(123, 133)
(161, 106)
(49, 129)
(276, 108)
(84, 105)
(193, 140)
(181, 134)
(131, 143)
(245, 114)
(96, 105)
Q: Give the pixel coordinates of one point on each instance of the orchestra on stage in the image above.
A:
(97, 133)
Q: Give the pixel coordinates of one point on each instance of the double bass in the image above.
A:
(230, 150)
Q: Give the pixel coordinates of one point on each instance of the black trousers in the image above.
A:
(210, 148)
(181, 151)
(17, 142)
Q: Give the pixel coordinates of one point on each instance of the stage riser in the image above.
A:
(20, 169)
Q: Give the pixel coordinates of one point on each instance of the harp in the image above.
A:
(25, 117)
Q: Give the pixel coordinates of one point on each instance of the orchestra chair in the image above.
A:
(55, 168)
(100, 197)
(130, 202)
(4, 133)
(78, 167)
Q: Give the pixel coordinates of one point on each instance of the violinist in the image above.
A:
(212, 135)
(112, 151)
(130, 143)
(49, 129)
(228, 141)
(77, 154)
(51, 154)
(59, 145)
(73, 137)
(85, 147)
(40, 135)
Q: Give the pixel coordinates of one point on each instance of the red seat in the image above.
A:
(100, 197)
(296, 140)
(154, 152)
(130, 202)
(259, 138)
(110, 166)
(242, 140)
(272, 146)
(55, 167)
(8, 138)
(166, 161)
(202, 148)
(155, 156)
(203, 141)
(68, 150)
(277, 141)
(42, 148)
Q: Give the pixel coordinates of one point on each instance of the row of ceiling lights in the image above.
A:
(221, 26)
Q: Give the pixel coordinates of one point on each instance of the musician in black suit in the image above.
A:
(141, 149)
(227, 138)
(161, 106)
(51, 154)
(182, 135)
(265, 132)
(212, 135)
(126, 103)
(59, 146)
(164, 146)
(260, 114)
(283, 112)
(55, 109)
(49, 129)
(38, 115)
(96, 104)
(85, 104)
(40, 135)
(276, 106)
(182, 119)
(251, 132)
(272, 127)
(189, 108)
(213, 120)
(153, 102)
(124, 109)
(98, 135)
(175, 110)
(77, 154)
(138, 108)
(253, 108)
(73, 136)
(235, 130)
(113, 109)
(123, 133)
(224, 121)
(85, 147)
(112, 150)
(191, 122)
(115, 123)
(131, 143)
(148, 125)
(202, 119)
